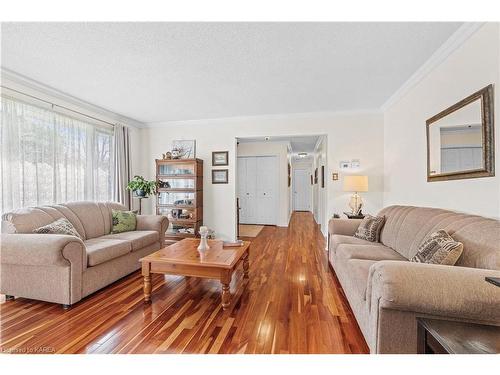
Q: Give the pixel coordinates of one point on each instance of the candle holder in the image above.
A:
(203, 241)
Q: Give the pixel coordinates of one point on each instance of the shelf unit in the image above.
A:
(180, 196)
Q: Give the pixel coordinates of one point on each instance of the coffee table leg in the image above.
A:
(147, 282)
(226, 296)
(246, 265)
(147, 288)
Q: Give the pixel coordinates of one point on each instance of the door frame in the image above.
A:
(308, 172)
(233, 156)
(278, 193)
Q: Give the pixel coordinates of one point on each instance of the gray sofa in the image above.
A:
(387, 292)
(64, 269)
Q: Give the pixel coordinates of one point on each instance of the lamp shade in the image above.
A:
(356, 183)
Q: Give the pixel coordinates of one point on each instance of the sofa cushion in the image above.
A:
(369, 252)
(359, 269)
(123, 221)
(407, 227)
(338, 239)
(138, 238)
(100, 250)
(92, 217)
(25, 220)
(439, 248)
(60, 226)
(369, 229)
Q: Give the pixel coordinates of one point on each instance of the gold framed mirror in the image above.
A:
(460, 139)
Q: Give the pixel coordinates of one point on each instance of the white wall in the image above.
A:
(471, 67)
(350, 135)
(279, 149)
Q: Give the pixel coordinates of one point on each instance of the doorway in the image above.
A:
(301, 190)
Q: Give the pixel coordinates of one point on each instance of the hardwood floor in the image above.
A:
(292, 303)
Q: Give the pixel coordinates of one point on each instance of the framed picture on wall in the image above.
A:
(220, 158)
(322, 176)
(316, 176)
(289, 175)
(220, 176)
(184, 149)
(312, 180)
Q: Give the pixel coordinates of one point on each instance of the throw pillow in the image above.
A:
(439, 248)
(369, 229)
(60, 226)
(123, 221)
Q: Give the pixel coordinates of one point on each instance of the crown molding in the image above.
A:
(276, 117)
(458, 38)
(29, 86)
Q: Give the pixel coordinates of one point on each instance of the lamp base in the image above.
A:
(355, 204)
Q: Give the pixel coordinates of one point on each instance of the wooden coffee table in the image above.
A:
(182, 258)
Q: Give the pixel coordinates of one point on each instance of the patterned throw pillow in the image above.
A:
(369, 229)
(439, 248)
(123, 221)
(60, 226)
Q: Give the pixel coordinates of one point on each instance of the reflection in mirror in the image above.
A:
(456, 141)
(460, 139)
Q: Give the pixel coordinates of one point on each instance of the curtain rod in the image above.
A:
(57, 105)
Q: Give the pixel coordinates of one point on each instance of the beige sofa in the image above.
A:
(387, 292)
(64, 269)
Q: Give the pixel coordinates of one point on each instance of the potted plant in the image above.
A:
(142, 187)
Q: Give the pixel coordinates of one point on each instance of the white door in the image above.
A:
(247, 189)
(267, 190)
(301, 190)
(258, 189)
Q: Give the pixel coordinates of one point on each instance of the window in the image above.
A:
(47, 157)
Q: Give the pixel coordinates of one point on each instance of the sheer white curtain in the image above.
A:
(47, 157)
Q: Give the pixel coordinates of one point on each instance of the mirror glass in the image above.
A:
(456, 141)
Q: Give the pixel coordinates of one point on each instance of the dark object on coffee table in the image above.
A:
(493, 280)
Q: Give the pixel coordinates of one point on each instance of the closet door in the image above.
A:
(267, 190)
(247, 182)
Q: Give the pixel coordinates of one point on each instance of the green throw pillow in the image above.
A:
(123, 221)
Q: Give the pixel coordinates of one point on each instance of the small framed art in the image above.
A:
(183, 149)
(220, 158)
(220, 176)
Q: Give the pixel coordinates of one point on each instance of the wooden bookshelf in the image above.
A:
(180, 196)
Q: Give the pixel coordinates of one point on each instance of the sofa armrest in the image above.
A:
(346, 227)
(450, 291)
(158, 223)
(48, 267)
(42, 250)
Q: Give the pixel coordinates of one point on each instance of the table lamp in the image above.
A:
(356, 184)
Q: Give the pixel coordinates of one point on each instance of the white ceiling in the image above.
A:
(155, 72)
(297, 144)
